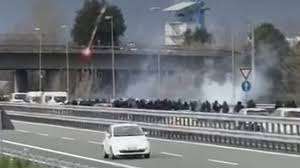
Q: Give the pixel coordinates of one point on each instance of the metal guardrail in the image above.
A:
(262, 124)
(267, 141)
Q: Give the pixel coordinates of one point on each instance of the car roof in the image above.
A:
(19, 93)
(254, 109)
(289, 109)
(123, 125)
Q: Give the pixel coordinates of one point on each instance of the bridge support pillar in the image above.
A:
(55, 80)
(20, 81)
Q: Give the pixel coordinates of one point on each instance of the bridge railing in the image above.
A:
(48, 48)
(233, 122)
(60, 48)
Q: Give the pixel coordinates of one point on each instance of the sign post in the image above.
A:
(246, 85)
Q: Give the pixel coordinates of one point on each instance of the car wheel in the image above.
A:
(147, 156)
(113, 157)
(105, 155)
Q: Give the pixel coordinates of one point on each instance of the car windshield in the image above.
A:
(60, 99)
(20, 96)
(295, 114)
(257, 112)
(128, 131)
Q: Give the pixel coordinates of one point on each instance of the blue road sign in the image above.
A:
(246, 86)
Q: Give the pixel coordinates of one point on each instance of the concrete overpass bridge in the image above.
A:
(23, 60)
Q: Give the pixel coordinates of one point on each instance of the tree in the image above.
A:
(274, 57)
(200, 35)
(188, 37)
(86, 19)
(267, 34)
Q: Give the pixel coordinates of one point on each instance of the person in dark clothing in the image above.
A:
(203, 107)
(278, 104)
(225, 107)
(293, 104)
(208, 107)
(186, 106)
(251, 104)
(216, 107)
(238, 107)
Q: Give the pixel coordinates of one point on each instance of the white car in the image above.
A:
(125, 139)
(287, 112)
(254, 111)
(18, 97)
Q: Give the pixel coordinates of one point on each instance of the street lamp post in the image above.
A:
(233, 63)
(159, 75)
(253, 52)
(40, 57)
(112, 56)
(65, 27)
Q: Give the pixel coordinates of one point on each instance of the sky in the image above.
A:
(145, 26)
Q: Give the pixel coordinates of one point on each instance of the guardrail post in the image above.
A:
(284, 128)
(291, 129)
(278, 128)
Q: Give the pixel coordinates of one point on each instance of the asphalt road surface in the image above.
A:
(84, 146)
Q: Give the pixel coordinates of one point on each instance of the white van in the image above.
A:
(287, 112)
(54, 98)
(18, 97)
(254, 111)
(34, 97)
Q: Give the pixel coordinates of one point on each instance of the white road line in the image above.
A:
(226, 147)
(173, 141)
(57, 126)
(171, 154)
(41, 134)
(69, 154)
(223, 162)
(68, 138)
(23, 131)
(94, 142)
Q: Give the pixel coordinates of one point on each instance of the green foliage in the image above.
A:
(200, 35)
(9, 162)
(188, 37)
(279, 54)
(267, 34)
(86, 19)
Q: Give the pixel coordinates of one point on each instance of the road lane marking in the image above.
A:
(69, 154)
(41, 134)
(68, 138)
(171, 154)
(223, 162)
(94, 142)
(226, 147)
(58, 126)
(173, 141)
(23, 131)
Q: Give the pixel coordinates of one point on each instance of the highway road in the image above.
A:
(84, 146)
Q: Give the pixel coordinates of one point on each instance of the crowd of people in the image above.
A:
(195, 106)
(166, 104)
(174, 105)
(151, 104)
